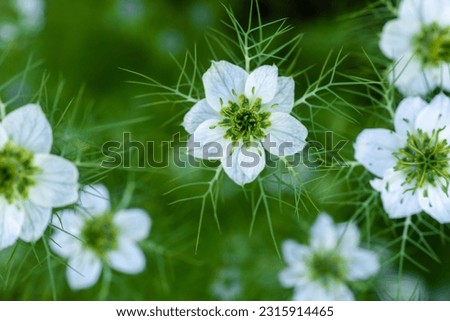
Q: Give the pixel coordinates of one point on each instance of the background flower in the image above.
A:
(418, 41)
(333, 258)
(93, 236)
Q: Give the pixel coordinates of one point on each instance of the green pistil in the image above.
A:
(432, 44)
(425, 159)
(327, 267)
(244, 121)
(100, 234)
(17, 172)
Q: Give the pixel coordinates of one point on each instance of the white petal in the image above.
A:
(348, 237)
(431, 11)
(65, 245)
(128, 258)
(134, 224)
(445, 75)
(56, 184)
(406, 114)
(3, 137)
(11, 220)
(377, 184)
(397, 37)
(286, 135)
(436, 117)
(374, 149)
(28, 127)
(95, 200)
(323, 235)
(35, 221)
(262, 83)
(70, 221)
(208, 141)
(67, 225)
(222, 82)
(295, 253)
(426, 11)
(398, 198)
(200, 112)
(315, 291)
(283, 102)
(410, 9)
(362, 264)
(293, 277)
(411, 78)
(83, 271)
(436, 203)
(245, 163)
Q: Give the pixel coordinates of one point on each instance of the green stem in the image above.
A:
(106, 283)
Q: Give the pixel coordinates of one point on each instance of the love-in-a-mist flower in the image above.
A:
(419, 43)
(322, 270)
(32, 181)
(413, 163)
(241, 115)
(93, 235)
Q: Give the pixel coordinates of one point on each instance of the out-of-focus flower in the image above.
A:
(93, 235)
(322, 270)
(419, 43)
(227, 285)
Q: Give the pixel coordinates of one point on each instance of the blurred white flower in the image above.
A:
(419, 43)
(32, 181)
(227, 285)
(409, 287)
(31, 12)
(8, 33)
(93, 235)
(321, 271)
(412, 163)
(241, 114)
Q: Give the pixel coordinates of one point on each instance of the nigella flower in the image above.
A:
(241, 114)
(93, 235)
(32, 181)
(413, 163)
(419, 43)
(321, 271)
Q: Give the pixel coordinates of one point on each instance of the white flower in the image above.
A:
(412, 163)
(32, 181)
(242, 113)
(93, 235)
(419, 43)
(227, 285)
(320, 271)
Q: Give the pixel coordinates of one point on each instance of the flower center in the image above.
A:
(244, 121)
(16, 172)
(100, 234)
(327, 267)
(424, 159)
(433, 44)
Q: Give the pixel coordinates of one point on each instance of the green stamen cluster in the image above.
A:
(17, 172)
(244, 121)
(433, 44)
(100, 234)
(327, 266)
(425, 159)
